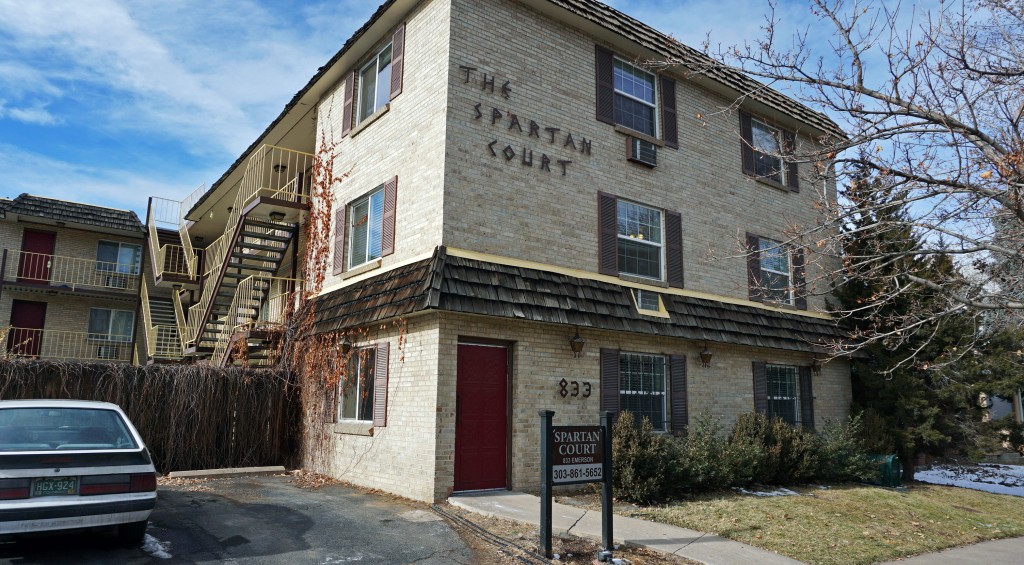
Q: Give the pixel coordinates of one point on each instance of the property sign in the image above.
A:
(577, 455)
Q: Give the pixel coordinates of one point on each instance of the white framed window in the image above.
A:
(643, 387)
(635, 98)
(117, 257)
(783, 396)
(767, 142)
(356, 392)
(776, 272)
(374, 84)
(365, 225)
(111, 325)
(640, 240)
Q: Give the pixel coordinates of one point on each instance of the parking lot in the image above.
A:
(263, 520)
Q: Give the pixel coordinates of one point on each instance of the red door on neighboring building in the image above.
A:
(27, 321)
(36, 256)
(481, 421)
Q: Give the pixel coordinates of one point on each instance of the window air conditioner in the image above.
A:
(116, 281)
(643, 152)
(107, 351)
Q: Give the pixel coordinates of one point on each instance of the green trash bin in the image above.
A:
(890, 470)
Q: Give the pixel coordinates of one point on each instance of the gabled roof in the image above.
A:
(613, 20)
(72, 212)
(457, 284)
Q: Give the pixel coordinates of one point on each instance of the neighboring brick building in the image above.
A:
(515, 181)
(69, 279)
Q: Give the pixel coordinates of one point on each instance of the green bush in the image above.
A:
(701, 458)
(874, 433)
(841, 453)
(641, 461)
(781, 453)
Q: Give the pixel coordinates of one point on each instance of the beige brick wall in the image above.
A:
(406, 141)
(398, 458)
(541, 358)
(500, 206)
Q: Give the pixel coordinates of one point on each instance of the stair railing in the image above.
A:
(258, 299)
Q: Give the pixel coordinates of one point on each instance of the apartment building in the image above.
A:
(69, 280)
(530, 218)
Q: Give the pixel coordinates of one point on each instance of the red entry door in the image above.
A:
(481, 421)
(27, 321)
(36, 256)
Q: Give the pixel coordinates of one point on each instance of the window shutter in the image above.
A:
(380, 386)
(792, 176)
(610, 380)
(340, 229)
(677, 394)
(747, 144)
(754, 267)
(799, 282)
(806, 399)
(346, 108)
(605, 72)
(397, 60)
(673, 248)
(669, 119)
(760, 387)
(387, 234)
(608, 234)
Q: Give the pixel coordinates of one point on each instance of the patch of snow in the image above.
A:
(777, 492)
(156, 548)
(998, 479)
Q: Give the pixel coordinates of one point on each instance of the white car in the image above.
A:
(71, 464)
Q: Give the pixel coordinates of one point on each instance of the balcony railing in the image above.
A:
(162, 342)
(169, 258)
(67, 346)
(69, 272)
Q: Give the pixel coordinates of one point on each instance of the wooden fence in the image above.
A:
(190, 416)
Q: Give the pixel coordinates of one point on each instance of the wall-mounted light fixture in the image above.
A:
(277, 216)
(280, 168)
(816, 366)
(576, 343)
(345, 345)
(705, 356)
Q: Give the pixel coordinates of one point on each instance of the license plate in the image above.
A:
(55, 486)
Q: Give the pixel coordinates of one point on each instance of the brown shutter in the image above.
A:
(799, 278)
(754, 267)
(608, 234)
(380, 386)
(806, 399)
(610, 380)
(387, 233)
(605, 72)
(760, 387)
(397, 60)
(346, 108)
(747, 144)
(674, 248)
(669, 119)
(677, 394)
(340, 230)
(792, 176)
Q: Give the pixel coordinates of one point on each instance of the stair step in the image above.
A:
(260, 247)
(271, 237)
(273, 256)
(256, 222)
(234, 265)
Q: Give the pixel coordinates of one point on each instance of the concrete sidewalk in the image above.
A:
(691, 544)
(995, 552)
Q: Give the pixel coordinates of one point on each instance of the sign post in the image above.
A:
(571, 455)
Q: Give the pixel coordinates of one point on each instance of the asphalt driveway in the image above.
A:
(263, 520)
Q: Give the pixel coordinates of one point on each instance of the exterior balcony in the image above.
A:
(60, 345)
(39, 271)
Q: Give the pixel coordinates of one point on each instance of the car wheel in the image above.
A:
(133, 533)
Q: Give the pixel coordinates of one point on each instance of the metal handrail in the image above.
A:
(248, 306)
(68, 345)
(72, 272)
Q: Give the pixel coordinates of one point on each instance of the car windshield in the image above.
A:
(61, 429)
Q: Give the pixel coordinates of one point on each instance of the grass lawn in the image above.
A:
(850, 524)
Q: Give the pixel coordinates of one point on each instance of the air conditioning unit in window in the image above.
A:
(115, 281)
(643, 152)
(107, 352)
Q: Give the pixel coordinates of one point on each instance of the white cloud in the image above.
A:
(35, 114)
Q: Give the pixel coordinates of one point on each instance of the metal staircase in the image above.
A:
(163, 343)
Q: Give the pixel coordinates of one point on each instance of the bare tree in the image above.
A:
(931, 102)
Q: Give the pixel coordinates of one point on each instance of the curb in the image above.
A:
(223, 473)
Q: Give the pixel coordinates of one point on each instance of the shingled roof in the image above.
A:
(65, 211)
(457, 284)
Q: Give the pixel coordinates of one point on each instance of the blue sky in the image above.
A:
(111, 101)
